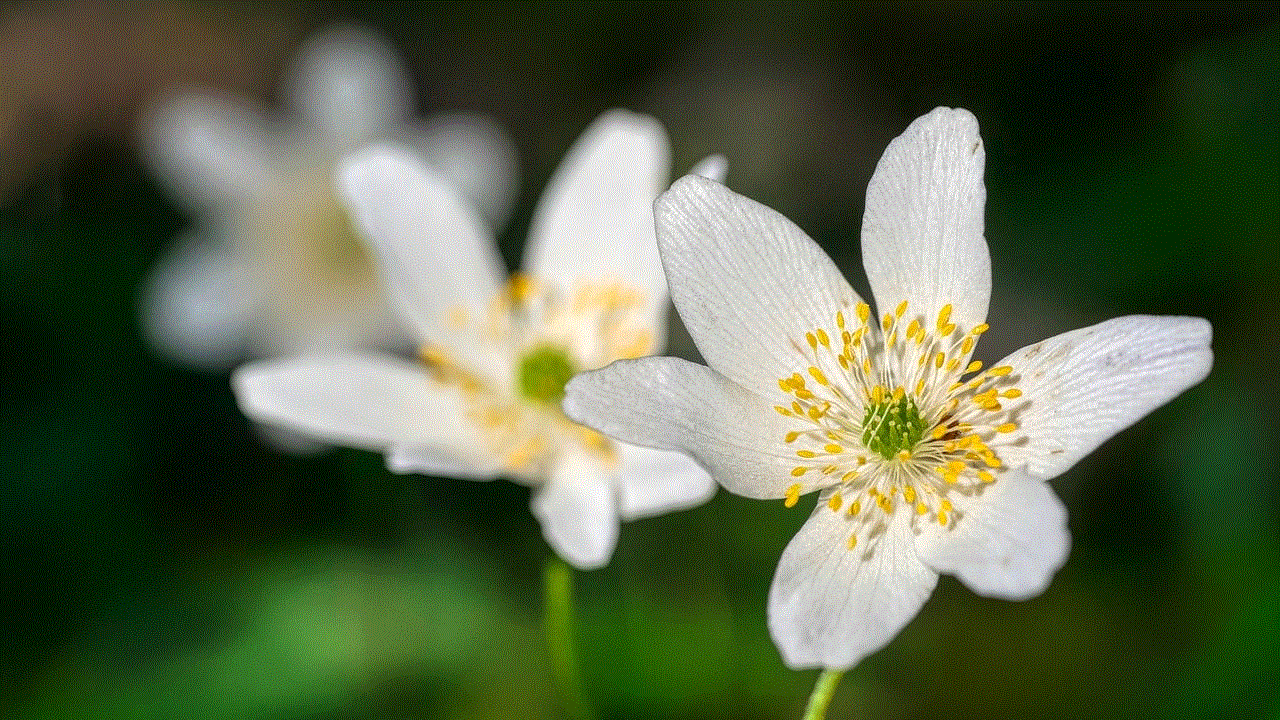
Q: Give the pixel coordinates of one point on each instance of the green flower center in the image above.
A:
(891, 426)
(543, 374)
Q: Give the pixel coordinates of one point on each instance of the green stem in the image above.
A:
(558, 600)
(822, 692)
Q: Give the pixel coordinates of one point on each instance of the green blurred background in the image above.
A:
(160, 561)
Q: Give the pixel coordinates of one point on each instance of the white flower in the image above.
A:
(485, 399)
(273, 265)
(925, 462)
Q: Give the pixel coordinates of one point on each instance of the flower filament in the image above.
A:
(894, 412)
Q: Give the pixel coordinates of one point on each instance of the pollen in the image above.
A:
(793, 495)
(894, 406)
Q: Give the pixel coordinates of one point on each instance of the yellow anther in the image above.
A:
(1012, 393)
(855, 508)
(921, 509)
(946, 330)
(945, 505)
(823, 339)
(840, 319)
(884, 503)
(944, 316)
(832, 448)
(1007, 428)
(909, 493)
(938, 359)
(898, 392)
(782, 411)
(817, 375)
(816, 412)
(791, 436)
(804, 394)
(974, 366)
(1000, 371)
(939, 431)
(893, 338)
(953, 364)
(866, 366)
(835, 502)
(979, 329)
(795, 408)
(864, 311)
(786, 386)
(853, 541)
(793, 495)
(806, 454)
(942, 518)
(991, 460)
(967, 346)
(844, 362)
(902, 308)
(520, 287)
(949, 446)
(849, 476)
(904, 455)
(887, 322)
(797, 472)
(986, 477)
(796, 380)
(812, 339)
(913, 328)
(919, 387)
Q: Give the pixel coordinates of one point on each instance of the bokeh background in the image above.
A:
(161, 561)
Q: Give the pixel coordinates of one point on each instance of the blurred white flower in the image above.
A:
(925, 462)
(484, 400)
(273, 265)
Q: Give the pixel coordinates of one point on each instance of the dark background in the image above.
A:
(161, 561)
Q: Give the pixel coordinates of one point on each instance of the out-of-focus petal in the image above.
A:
(349, 83)
(576, 508)
(200, 303)
(214, 151)
(436, 255)
(369, 402)
(475, 155)
(594, 222)
(652, 482)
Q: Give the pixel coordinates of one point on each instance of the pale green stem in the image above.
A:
(822, 692)
(558, 601)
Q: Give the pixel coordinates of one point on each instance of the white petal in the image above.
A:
(367, 402)
(214, 151)
(711, 167)
(830, 606)
(436, 255)
(652, 482)
(747, 282)
(595, 220)
(922, 231)
(350, 83)
(200, 303)
(673, 404)
(1082, 387)
(474, 154)
(1007, 542)
(576, 508)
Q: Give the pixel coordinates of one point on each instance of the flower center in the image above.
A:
(889, 414)
(543, 373)
(891, 427)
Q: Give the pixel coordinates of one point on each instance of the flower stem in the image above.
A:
(821, 696)
(558, 606)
